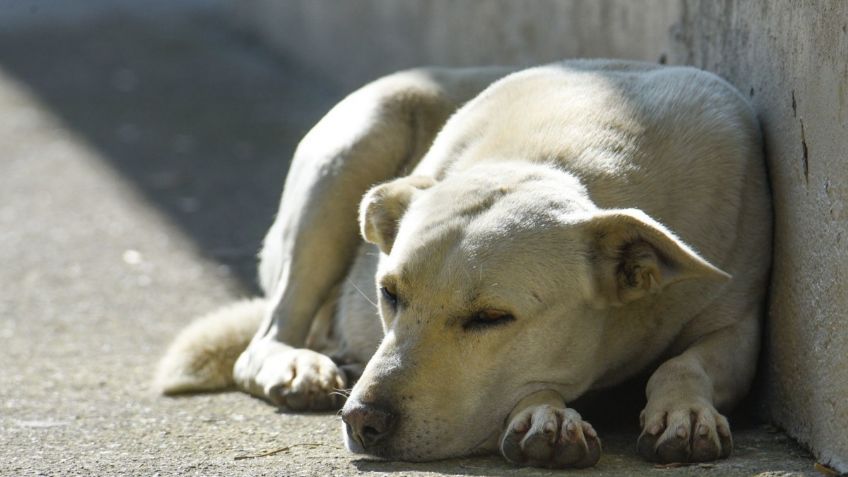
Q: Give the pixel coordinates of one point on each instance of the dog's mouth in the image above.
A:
(419, 451)
(383, 451)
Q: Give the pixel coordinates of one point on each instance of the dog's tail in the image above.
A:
(202, 356)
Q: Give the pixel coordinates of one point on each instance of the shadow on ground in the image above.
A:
(188, 110)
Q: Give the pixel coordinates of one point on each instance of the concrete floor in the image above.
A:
(142, 150)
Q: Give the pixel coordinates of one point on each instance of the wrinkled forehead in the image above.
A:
(489, 203)
(483, 238)
(508, 191)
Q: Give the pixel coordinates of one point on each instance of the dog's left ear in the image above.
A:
(384, 205)
(635, 255)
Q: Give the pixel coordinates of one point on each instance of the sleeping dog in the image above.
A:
(528, 236)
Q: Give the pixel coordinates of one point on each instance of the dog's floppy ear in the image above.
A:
(384, 205)
(635, 255)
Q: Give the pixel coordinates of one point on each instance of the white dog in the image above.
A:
(542, 233)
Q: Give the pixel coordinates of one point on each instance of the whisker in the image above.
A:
(363, 294)
(341, 391)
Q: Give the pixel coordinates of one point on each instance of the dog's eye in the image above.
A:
(486, 319)
(389, 296)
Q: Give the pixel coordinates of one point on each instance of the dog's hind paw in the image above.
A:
(690, 433)
(552, 437)
(298, 380)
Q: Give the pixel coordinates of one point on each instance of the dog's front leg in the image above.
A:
(375, 134)
(680, 422)
(542, 432)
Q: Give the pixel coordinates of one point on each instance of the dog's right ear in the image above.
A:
(635, 256)
(384, 205)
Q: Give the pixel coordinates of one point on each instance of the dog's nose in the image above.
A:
(368, 424)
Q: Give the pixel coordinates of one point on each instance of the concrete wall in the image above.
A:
(792, 59)
(789, 57)
(356, 40)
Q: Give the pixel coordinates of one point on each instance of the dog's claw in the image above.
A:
(696, 433)
(546, 436)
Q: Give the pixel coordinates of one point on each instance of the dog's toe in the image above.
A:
(539, 442)
(578, 445)
(647, 443)
(674, 444)
(511, 441)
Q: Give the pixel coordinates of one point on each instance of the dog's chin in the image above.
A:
(382, 453)
(378, 453)
(389, 453)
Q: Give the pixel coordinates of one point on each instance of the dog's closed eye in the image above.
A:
(487, 319)
(389, 296)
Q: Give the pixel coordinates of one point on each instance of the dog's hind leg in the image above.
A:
(377, 133)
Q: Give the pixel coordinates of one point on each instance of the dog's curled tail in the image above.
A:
(202, 356)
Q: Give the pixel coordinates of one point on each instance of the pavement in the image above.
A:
(143, 146)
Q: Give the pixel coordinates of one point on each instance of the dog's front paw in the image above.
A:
(300, 380)
(547, 436)
(684, 433)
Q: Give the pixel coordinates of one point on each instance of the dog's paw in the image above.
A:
(684, 433)
(546, 436)
(301, 380)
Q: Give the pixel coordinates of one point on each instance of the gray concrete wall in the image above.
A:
(789, 57)
(792, 59)
(355, 41)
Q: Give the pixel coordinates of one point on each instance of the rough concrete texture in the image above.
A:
(789, 57)
(142, 150)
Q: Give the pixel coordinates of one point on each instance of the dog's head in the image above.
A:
(491, 286)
